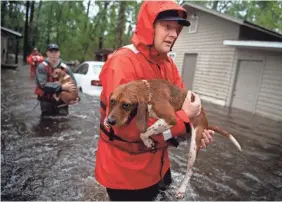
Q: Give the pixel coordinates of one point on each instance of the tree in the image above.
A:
(121, 23)
(26, 30)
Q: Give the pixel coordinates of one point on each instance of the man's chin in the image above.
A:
(164, 50)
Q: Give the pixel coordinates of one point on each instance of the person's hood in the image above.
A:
(143, 36)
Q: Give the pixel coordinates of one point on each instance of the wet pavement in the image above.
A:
(54, 158)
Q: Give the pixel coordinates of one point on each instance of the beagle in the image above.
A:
(159, 99)
(62, 77)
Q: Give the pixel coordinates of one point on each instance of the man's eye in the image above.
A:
(166, 26)
(126, 106)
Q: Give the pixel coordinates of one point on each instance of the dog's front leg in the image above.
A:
(158, 127)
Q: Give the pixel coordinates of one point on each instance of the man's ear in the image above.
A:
(142, 117)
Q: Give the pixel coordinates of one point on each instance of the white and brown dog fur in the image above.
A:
(62, 77)
(159, 99)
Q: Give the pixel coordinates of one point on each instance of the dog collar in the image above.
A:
(148, 86)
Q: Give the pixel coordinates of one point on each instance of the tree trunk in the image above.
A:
(85, 46)
(121, 24)
(26, 47)
(38, 10)
(31, 12)
(58, 24)
(214, 5)
(31, 25)
(3, 12)
(36, 33)
(49, 23)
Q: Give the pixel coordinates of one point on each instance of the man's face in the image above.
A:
(166, 33)
(53, 55)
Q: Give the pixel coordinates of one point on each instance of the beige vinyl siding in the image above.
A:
(269, 101)
(270, 96)
(215, 61)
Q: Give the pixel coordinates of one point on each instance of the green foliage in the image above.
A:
(78, 28)
(267, 14)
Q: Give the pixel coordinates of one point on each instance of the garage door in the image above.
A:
(247, 85)
(188, 70)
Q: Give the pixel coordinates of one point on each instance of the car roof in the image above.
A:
(94, 62)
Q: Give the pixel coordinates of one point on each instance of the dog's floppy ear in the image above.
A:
(142, 117)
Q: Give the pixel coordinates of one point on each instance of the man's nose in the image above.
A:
(173, 33)
(111, 121)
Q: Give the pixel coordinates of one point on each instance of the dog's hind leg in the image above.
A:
(193, 151)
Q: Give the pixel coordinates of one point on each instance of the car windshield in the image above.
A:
(97, 68)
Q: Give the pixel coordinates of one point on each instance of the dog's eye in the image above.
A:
(126, 106)
(112, 102)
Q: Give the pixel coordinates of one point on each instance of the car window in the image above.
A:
(82, 69)
(96, 69)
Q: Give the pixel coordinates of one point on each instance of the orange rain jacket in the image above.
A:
(33, 60)
(116, 168)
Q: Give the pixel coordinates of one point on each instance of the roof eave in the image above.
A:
(11, 31)
(232, 19)
(259, 45)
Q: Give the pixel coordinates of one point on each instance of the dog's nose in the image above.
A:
(111, 121)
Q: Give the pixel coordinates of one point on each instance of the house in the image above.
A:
(102, 54)
(231, 62)
(7, 36)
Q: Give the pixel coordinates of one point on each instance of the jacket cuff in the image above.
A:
(183, 116)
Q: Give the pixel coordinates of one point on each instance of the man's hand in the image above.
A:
(192, 109)
(207, 138)
(68, 87)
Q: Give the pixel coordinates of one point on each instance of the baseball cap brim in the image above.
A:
(53, 47)
(180, 20)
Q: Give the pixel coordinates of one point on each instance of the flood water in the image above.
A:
(54, 158)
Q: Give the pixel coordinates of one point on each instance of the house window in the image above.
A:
(194, 24)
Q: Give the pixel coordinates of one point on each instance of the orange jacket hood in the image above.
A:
(144, 33)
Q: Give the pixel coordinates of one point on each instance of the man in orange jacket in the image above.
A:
(129, 172)
(33, 60)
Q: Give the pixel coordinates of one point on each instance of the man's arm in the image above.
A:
(29, 59)
(42, 81)
(183, 120)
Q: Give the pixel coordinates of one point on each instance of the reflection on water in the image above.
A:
(52, 158)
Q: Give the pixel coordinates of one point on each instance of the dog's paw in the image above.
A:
(148, 142)
(179, 194)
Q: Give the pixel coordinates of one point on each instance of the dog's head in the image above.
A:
(126, 101)
(58, 73)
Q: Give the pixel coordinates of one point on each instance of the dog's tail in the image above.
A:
(226, 134)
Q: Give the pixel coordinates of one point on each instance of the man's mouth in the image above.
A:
(168, 42)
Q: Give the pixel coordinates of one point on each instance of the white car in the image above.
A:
(87, 77)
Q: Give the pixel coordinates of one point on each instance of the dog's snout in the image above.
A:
(111, 121)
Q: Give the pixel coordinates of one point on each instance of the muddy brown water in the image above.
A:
(54, 158)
